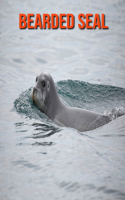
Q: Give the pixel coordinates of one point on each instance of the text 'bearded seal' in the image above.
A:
(46, 98)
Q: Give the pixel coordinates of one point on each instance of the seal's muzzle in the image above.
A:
(38, 101)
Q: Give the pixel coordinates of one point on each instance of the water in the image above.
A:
(38, 159)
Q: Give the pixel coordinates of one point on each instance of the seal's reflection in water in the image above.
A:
(40, 130)
(45, 130)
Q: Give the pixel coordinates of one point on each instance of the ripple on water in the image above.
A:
(105, 99)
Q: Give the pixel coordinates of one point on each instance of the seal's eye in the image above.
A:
(43, 83)
(36, 78)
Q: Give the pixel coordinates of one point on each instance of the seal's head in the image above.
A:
(44, 95)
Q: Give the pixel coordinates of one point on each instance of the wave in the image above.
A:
(108, 100)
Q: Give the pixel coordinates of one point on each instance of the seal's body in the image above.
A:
(46, 98)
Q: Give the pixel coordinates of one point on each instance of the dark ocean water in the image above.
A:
(38, 159)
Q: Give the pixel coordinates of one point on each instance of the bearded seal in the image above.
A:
(46, 98)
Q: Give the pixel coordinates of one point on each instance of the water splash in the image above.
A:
(115, 112)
